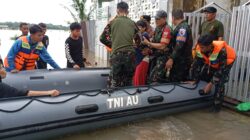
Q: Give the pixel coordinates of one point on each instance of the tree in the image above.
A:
(79, 7)
(78, 13)
(78, 10)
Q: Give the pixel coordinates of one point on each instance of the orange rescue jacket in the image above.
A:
(26, 57)
(212, 59)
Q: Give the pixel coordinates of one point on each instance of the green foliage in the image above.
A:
(15, 26)
(11, 25)
(78, 10)
(79, 6)
(56, 27)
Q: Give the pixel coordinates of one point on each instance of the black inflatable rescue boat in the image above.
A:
(86, 103)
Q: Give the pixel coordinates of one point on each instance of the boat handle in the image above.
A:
(105, 75)
(36, 77)
(155, 99)
(82, 109)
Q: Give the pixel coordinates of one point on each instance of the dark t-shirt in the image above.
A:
(123, 30)
(7, 91)
(74, 52)
(214, 28)
(40, 63)
(45, 41)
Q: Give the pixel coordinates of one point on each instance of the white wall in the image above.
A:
(146, 7)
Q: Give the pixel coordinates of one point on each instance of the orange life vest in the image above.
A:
(26, 58)
(212, 60)
(108, 49)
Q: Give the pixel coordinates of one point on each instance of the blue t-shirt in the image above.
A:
(138, 50)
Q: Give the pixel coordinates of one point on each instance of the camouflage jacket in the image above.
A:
(105, 37)
(157, 39)
(222, 73)
(182, 42)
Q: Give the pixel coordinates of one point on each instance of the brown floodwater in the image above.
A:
(195, 125)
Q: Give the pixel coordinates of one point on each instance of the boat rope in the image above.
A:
(105, 91)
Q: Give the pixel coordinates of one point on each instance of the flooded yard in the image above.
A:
(195, 125)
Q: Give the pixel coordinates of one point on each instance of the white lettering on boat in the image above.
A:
(123, 102)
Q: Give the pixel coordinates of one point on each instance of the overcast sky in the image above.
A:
(35, 11)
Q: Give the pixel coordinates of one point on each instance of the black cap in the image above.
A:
(210, 10)
(161, 14)
(206, 40)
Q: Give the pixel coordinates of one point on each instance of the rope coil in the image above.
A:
(106, 91)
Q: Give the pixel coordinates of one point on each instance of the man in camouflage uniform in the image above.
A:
(181, 58)
(212, 63)
(160, 47)
(119, 34)
(212, 26)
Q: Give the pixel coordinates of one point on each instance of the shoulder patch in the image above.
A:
(25, 45)
(182, 32)
(39, 46)
(182, 35)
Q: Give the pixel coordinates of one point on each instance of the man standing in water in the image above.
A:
(24, 28)
(26, 51)
(123, 32)
(212, 63)
(161, 47)
(212, 26)
(181, 58)
(40, 63)
(74, 48)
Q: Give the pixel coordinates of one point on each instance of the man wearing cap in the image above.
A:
(212, 63)
(212, 26)
(160, 46)
(181, 58)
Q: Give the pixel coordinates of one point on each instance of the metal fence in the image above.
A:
(238, 86)
(100, 51)
(101, 22)
(91, 34)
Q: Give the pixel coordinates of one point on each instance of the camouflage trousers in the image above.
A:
(180, 71)
(122, 68)
(207, 74)
(219, 85)
(158, 72)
